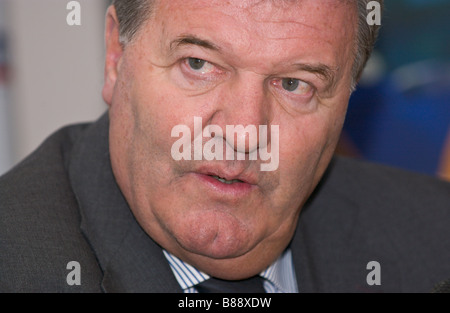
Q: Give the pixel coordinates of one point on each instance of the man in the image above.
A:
(139, 207)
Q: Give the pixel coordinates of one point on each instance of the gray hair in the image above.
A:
(133, 13)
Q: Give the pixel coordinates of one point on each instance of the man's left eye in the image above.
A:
(295, 86)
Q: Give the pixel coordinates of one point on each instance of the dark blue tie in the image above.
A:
(214, 285)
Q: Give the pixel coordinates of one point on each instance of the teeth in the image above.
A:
(228, 182)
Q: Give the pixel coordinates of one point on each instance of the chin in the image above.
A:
(215, 234)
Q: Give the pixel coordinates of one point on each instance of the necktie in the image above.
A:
(214, 285)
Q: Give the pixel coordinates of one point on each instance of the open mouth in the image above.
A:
(228, 182)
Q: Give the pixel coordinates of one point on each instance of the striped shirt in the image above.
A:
(278, 277)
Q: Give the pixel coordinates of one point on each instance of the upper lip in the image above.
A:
(228, 174)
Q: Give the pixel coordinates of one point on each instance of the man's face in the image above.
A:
(284, 63)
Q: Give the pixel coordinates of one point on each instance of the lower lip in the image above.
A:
(234, 190)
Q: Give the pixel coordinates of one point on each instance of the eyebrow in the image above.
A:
(192, 40)
(326, 72)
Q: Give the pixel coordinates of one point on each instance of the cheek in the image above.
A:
(140, 120)
(302, 142)
(158, 107)
(306, 149)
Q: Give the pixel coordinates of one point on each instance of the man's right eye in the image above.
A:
(196, 64)
(200, 66)
(197, 74)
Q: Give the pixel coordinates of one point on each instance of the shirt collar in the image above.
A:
(279, 276)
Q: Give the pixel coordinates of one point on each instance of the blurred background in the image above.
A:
(400, 113)
(51, 75)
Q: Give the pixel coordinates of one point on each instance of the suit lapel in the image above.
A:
(130, 260)
(338, 234)
(323, 254)
(139, 266)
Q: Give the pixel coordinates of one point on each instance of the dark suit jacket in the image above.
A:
(62, 204)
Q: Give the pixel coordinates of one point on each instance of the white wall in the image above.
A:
(5, 143)
(57, 69)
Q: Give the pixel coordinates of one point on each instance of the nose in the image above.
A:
(242, 108)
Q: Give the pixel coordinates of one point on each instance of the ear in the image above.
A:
(114, 51)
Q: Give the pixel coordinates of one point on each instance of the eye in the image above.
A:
(199, 65)
(197, 74)
(196, 64)
(294, 93)
(295, 86)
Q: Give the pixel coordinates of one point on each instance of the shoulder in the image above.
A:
(365, 180)
(40, 222)
(390, 198)
(364, 212)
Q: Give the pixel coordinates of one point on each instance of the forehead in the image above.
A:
(259, 28)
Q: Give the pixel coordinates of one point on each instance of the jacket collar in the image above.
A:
(338, 233)
(130, 260)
